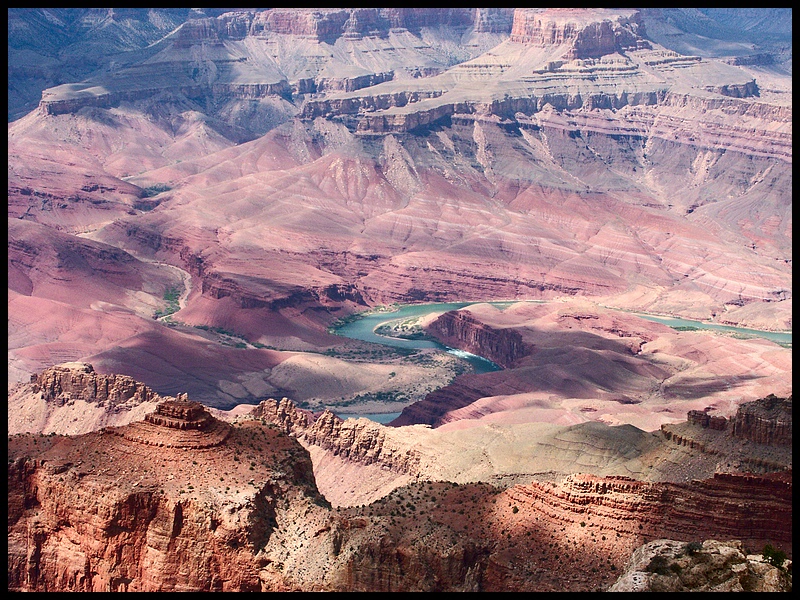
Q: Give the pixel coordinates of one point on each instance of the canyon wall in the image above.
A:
(459, 329)
(193, 516)
(721, 508)
(69, 382)
(72, 398)
(609, 31)
(765, 421)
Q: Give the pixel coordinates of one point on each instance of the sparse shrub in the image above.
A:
(774, 556)
(155, 190)
(693, 548)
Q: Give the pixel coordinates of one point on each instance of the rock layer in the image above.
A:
(713, 566)
(111, 511)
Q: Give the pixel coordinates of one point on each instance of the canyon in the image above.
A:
(198, 200)
(102, 511)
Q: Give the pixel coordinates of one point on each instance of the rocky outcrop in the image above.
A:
(69, 382)
(765, 421)
(702, 418)
(459, 329)
(361, 441)
(284, 414)
(178, 423)
(108, 511)
(764, 425)
(710, 566)
(589, 33)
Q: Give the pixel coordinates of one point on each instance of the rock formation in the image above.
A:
(73, 398)
(196, 195)
(460, 329)
(766, 421)
(78, 381)
(757, 438)
(711, 566)
(170, 504)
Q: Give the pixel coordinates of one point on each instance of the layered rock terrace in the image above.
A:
(178, 423)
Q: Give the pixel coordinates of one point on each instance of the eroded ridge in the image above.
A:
(178, 423)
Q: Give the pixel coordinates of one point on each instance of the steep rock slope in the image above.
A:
(123, 509)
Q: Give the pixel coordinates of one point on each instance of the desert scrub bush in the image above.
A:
(693, 548)
(155, 190)
(774, 556)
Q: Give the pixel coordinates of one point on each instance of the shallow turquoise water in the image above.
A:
(774, 336)
(363, 329)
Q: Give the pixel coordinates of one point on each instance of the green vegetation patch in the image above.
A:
(171, 296)
(155, 190)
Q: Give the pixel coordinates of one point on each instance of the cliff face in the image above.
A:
(765, 421)
(688, 511)
(78, 381)
(608, 30)
(765, 426)
(358, 441)
(461, 330)
(154, 506)
(352, 23)
(72, 398)
(119, 511)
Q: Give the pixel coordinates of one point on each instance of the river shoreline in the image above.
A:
(393, 314)
(363, 326)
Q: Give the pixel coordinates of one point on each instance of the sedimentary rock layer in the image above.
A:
(112, 511)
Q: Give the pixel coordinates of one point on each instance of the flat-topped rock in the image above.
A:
(180, 414)
(178, 423)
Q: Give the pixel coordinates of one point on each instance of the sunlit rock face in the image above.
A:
(185, 501)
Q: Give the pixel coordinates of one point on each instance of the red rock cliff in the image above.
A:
(590, 32)
(461, 330)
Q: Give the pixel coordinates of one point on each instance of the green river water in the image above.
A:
(363, 328)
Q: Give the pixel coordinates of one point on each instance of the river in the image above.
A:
(363, 328)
